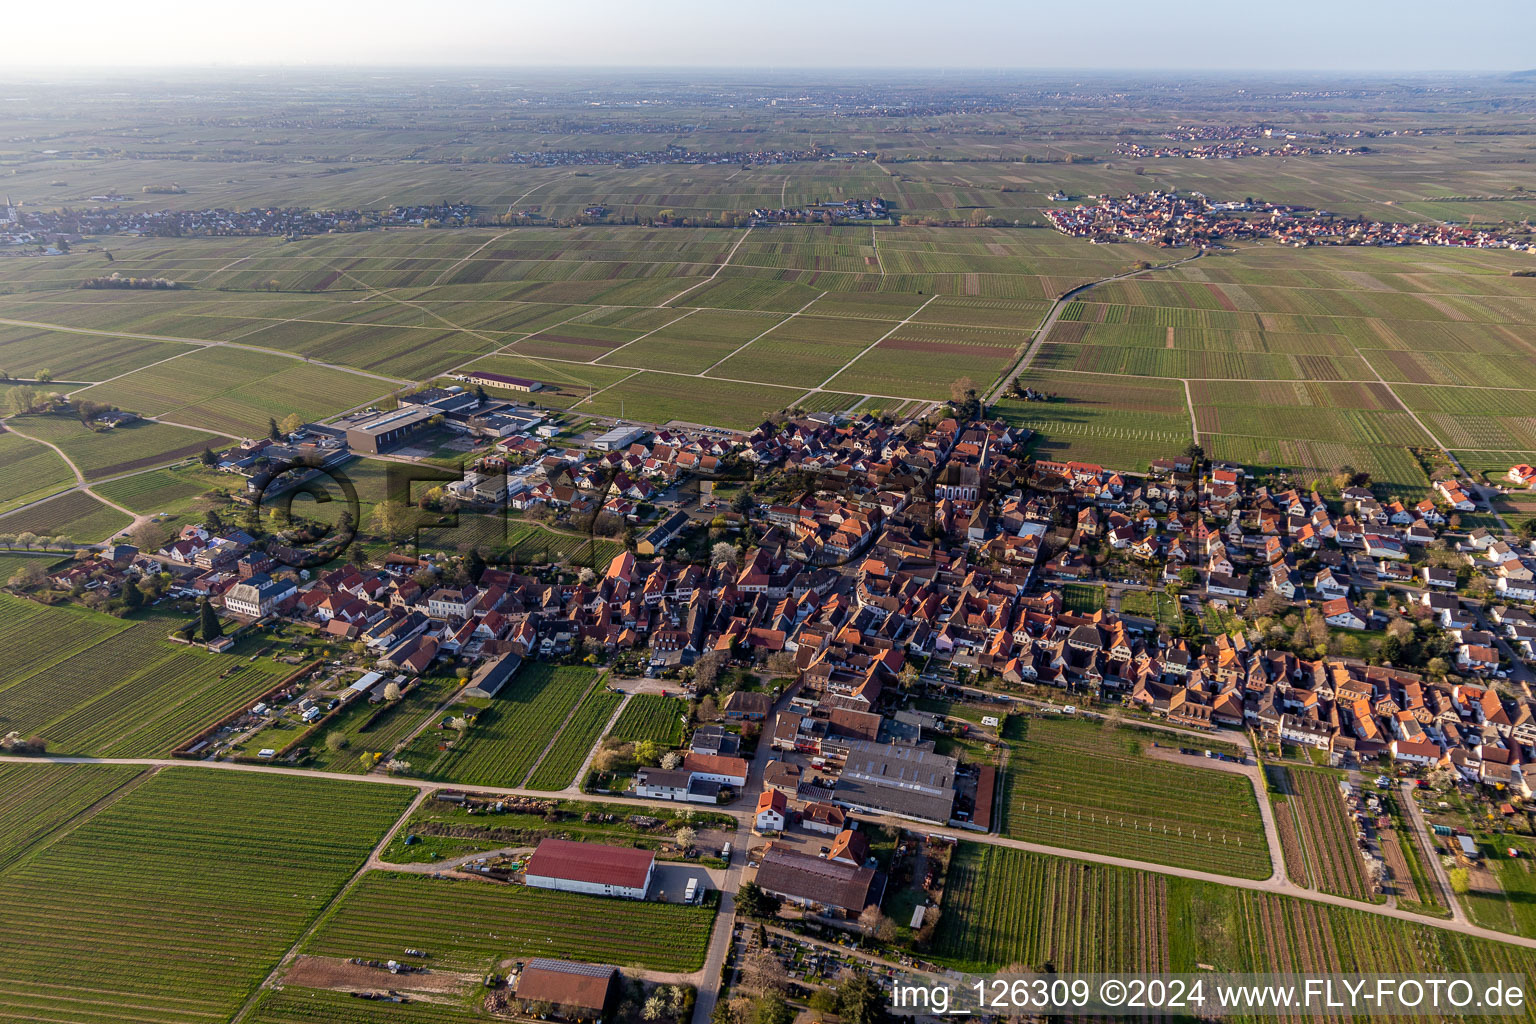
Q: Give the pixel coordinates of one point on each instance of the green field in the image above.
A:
(235, 391)
(1090, 786)
(565, 755)
(1005, 907)
(74, 516)
(650, 716)
(29, 471)
(177, 899)
(37, 800)
(509, 733)
(473, 926)
(92, 684)
(125, 449)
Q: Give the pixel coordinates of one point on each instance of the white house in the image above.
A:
(771, 810)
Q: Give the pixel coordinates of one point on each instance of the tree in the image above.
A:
(1194, 451)
(391, 520)
(21, 400)
(861, 1001)
(1189, 576)
(772, 1009)
(133, 597)
(8, 539)
(149, 536)
(671, 760)
(763, 973)
(209, 624)
(723, 553)
(208, 458)
(1461, 881)
(274, 432)
(877, 924)
(44, 375)
(655, 1007)
(30, 574)
(336, 742)
(27, 539)
(685, 837)
(1438, 667)
(752, 901)
(392, 691)
(291, 423)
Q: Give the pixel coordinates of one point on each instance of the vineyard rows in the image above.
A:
(650, 716)
(565, 756)
(172, 903)
(473, 925)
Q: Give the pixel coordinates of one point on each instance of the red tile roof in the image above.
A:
(591, 862)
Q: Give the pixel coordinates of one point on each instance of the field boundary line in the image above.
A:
(872, 345)
(749, 341)
(574, 788)
(561, 731)
(325, 911)
(642, 337)
(719, 267)
(610, 387)
(67, 827)
(1189, 400)
(465, 259)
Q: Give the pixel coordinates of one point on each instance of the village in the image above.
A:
(1171, 220)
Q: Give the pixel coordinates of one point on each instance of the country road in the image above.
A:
(1057, 308)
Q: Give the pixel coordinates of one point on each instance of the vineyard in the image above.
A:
(509, 732)
(565, 756)
(473, 925)
(1088, 786)
(649, 716)
(176, 900)
(291, 1005)
(36, 799)
(92, 684)
(1323, 835)
(1003, 907)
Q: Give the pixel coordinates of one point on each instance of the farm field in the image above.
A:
(662, 398)
(95, 685)
(73, 515)
(36, 800)
(178, 898)
(29, 471)
(1004, 907)
(473, 926)
(236, 391)
(570, 748)
(14, 559)
(1087, 786)
(649, 716)
(1108, 420)
(1325, 834)
(26, 352)
(292, 1004)
(1315, 359)
(509, 732)
(124, 449)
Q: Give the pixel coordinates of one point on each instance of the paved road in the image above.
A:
(1054, 315)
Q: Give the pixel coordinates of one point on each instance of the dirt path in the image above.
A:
(744, 815)
(1054, 315)
(1427, 847)
(293, 950)
(80, 485)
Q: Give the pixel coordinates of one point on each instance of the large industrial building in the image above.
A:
(382, 432)
(591, 868)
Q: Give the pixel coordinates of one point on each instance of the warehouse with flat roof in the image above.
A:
(382, 432)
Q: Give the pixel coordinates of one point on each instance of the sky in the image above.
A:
(1203, 35)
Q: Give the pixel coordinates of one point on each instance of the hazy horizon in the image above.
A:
(1408, 37)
